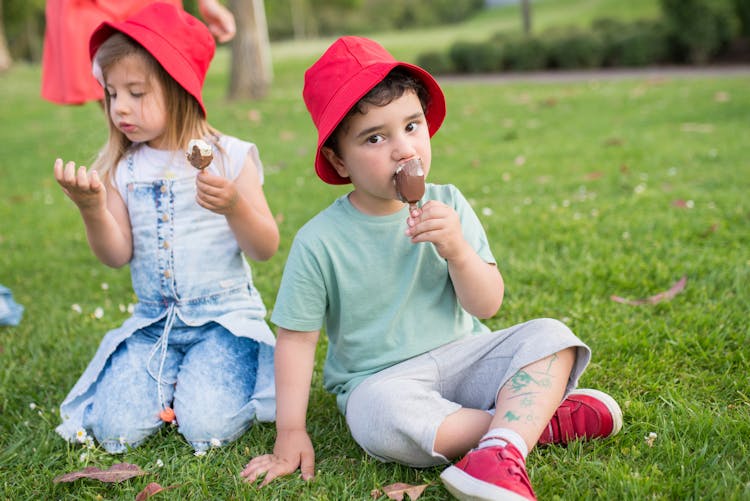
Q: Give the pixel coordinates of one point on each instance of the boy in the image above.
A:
(420, 380)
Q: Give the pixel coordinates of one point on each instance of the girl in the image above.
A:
(197, 349)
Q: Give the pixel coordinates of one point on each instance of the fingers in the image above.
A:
(80, 179)
(273, 467)
(307, 466)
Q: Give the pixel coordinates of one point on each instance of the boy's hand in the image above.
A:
(216, 193)
(293, 450)
(82, 186)
(437, 223)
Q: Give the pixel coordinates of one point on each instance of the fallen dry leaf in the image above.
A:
(116, 473)
(150, 490)
(396, 491)
(678, 287)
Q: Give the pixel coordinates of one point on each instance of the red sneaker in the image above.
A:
(584, 414)
(489, 474)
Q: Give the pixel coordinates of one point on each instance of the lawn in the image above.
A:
(586, 189)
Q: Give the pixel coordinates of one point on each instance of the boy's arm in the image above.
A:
(104, 213)
(478, 284)
(294, 360)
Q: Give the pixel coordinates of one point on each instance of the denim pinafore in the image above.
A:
(186, 265)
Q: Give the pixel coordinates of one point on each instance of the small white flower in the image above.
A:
(520, 160)
(159, 463)
(566, 203)
(672, 171)
(121, 307)
(98, 312)
(486, 211)
(131, 308)
(83, 457)
(626, 235)
(215, 442)
(105, 286)
(639, 189)
(199, 454)
(90, 442)
(689, 204)
(81, 435)
(77, 308)
(39, 412)
(32, 406)
(650, 439)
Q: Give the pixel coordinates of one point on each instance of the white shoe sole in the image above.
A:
(467, 488)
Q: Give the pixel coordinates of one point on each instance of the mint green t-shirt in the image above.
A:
(380, 298)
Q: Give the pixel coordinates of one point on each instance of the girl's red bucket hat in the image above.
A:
(178, 41)
(345, 72)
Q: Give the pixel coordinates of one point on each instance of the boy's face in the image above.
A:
(373, 144)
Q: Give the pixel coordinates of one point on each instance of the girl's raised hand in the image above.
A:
(81, 185)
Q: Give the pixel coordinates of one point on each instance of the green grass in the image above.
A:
(575, 184)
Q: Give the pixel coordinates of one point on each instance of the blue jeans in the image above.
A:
(206, 374)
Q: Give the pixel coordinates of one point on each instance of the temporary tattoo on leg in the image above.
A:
(511, 416)
(520, 381)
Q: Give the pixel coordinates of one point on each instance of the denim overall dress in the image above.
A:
(192, 282)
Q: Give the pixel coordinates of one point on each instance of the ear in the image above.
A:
(336, 161)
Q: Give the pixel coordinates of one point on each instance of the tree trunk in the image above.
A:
(251, 73)
(526, 14)
(299, 14)
(5, 59)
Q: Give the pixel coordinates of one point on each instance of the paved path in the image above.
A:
(601, 74)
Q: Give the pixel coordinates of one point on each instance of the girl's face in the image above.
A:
(374, 143)
(136, 102)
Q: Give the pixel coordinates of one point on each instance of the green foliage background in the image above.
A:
(587, 189)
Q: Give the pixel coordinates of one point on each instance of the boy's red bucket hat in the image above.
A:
(345, 72)
(178, 41)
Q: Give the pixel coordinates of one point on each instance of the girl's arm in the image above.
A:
(219, 19)
(244, 204)
(294, 361)
(479, 285)
(104, 214)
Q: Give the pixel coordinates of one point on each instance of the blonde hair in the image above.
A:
(185, 119)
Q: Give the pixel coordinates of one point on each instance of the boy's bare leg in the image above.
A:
(524, 404)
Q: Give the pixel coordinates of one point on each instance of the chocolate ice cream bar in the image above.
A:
(199, 153)
(409, 179)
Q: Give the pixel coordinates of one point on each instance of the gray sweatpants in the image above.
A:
(394, 415)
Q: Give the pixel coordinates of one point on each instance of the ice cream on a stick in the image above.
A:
(409, 179)
(199, 153)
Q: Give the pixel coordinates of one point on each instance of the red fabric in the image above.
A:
(345, 72)
(66, 66)
(579, 417)
(181, 44)
(490, 473)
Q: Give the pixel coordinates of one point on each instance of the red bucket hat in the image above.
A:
(345, 72)
(178, 41)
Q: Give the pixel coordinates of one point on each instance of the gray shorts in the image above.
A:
(394, 415)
